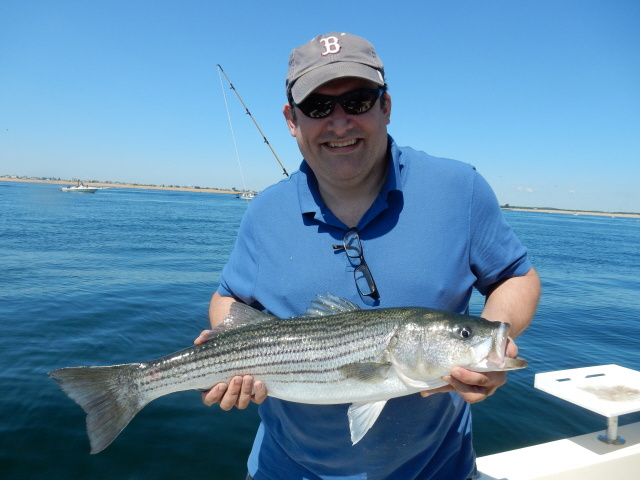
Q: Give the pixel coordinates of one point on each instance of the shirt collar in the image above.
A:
(311, 202)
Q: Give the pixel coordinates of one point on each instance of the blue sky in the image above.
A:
(543, 97)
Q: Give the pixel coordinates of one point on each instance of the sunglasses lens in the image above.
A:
(360, 101)
(317, 106)
(354, 103)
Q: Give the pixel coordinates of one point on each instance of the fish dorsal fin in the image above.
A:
(362, 416)
(329, 305)
(240, 315)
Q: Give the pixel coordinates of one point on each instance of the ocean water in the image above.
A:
(126, 275)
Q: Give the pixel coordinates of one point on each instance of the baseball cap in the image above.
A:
(331, 56)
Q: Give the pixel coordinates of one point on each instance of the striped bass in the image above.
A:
(334, 353)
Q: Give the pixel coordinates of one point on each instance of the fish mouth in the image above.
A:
(499, 345)
(496, 359)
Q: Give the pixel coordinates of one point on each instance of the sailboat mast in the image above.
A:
(284, 170)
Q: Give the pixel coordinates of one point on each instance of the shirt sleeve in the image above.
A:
(496, 253)
(239, 275)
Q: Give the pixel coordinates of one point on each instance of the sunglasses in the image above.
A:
(355, 102)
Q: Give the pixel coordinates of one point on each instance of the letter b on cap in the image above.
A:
(331, 45)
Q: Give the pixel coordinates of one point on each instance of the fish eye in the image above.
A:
(464, 332)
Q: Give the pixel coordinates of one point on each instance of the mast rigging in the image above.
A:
(284, 170)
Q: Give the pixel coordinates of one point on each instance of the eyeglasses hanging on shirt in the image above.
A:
(362, 274)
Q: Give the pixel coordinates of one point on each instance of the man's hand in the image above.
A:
(474, 386)
(239, 392)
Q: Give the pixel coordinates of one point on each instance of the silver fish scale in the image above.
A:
(280, 352)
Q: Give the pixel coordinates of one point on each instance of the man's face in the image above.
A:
(342, 149)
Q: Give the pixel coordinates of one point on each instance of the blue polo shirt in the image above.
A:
(434, 232)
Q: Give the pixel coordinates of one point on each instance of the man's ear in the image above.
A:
(289, 116)
(386, 108)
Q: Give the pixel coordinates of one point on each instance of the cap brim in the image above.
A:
(308, 82)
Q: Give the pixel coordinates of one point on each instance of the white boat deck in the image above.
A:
(614, 454)
(579, 458)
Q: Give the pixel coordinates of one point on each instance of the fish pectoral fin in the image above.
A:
(368, 372)
(362, 416)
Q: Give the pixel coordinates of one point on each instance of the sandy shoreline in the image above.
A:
(575, 212)
(231, 192)
(119, 185)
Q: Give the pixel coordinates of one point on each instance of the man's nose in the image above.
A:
(339, 120)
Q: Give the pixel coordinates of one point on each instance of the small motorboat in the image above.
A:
(80, 188)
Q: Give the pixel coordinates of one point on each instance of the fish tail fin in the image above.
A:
(108, 395)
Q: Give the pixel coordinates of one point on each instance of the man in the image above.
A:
(431, 230)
